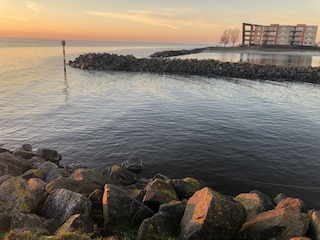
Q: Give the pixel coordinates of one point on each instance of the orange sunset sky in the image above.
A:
(183, 21)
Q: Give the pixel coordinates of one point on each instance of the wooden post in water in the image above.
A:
(64, 55)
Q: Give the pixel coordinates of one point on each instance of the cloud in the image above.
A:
(167, 18)
(33, 6)
(17, 18)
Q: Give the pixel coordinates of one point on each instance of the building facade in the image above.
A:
(275, 34)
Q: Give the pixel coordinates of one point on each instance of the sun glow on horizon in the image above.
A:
(166, 21)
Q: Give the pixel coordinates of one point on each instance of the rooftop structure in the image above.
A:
(275, 34)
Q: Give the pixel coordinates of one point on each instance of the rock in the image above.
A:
(38, 189)
(89, 176)
(36, 161)
(76, 223)
(5, 221)
(253, 203)
(174, 208)
(120, 209)
(26, 147)
(158, 192)
(61, 204)
(16, 197)
(2, 150)
(49, 154)
(96, 200)
(279, 197)
(12, 165)
(314, 229)
(121, 174)
(81, 181)
(205, 67)
(291, 202)
(134, 164)
(50, 171)
(22, 221)
(267, 201)
(164, 224)
(97, 208)
(4, 178)
(282, 224)
(32, 173)
(19, 152)
(161, 177)
(159, 226)
(300, 238)
(186, 187)
(210, 215)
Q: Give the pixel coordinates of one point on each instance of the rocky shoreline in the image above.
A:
(160, 64)
(38, 194)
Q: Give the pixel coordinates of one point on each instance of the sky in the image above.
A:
(171, 21)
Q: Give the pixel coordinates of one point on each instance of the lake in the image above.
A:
(237, 135)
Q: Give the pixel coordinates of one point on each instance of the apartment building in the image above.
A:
(275, 34)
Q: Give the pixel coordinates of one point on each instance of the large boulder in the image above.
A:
(281, 224)
(133, 164)
(158, 192)
(121, 174)
(12, 165)
(254, 203)
(210, 215)
(186, 187)
(164, 224)
(21, 221)
(16, 197)
(49, 155)
(61, 204)
(119, 208)
(158, 227)
(38, 189)
(291, 202)
(50, 171)
(314, 229)
(81, 181)
(76, 223)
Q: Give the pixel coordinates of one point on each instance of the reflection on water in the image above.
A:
(293, 59)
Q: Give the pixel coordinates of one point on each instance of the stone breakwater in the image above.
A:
(208, 68)
(38, 194)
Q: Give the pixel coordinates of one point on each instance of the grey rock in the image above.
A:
(22, 221)
(61, 204)
(282, 224)
(121, 174)
(158, 192)
(159, 226)
(50, 171)
(186, 187)
(210, 215)
(121, 209)
(253, 203)
(76, 223)
(16, 196)
(49, 154)
(12, 165)
(134, 164)
(314, 229)
(279, 197)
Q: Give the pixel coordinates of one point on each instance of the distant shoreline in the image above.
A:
(280, 51)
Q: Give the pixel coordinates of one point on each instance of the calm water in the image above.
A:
(236, 135)
(284, 58)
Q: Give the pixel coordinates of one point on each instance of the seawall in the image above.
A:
(208, 68)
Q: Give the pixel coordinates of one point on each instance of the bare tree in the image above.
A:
(225, 38)
(234, 35)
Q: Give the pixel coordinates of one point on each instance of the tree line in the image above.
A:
(230, 35)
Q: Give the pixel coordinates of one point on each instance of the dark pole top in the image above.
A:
(63, 43)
